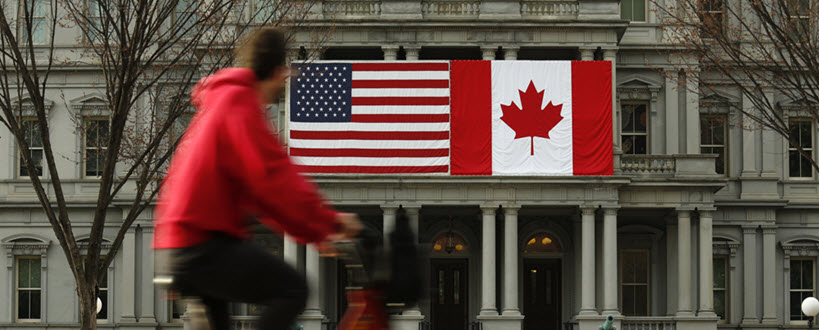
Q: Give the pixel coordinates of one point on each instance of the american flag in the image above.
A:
(383, 117)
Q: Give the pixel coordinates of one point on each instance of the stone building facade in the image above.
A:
(676, 238)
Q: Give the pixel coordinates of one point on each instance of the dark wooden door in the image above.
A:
(541, 294)
(449, 298)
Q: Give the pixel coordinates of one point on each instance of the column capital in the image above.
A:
(389, 209)
(768, 230)
(610, 210)
(749, 230)
(412, 52)
(683, 213)
(511, 209)
(390, 52)
(587, 53)
(587, 210)
(489, 52)
(706, 214)
(609, 52)
(489, 209)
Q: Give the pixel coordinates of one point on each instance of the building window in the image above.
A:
(711, 15)
(801, 133)
(713, 137)
(175, 307)
(186, 17)
(800, 29)
(95, 24)
(28, 289)
(634, 123)
(721, 286)
(36, 11)
(31, 131)
(802, 285)
(634, 288)
(263, 11)
(96, 144)
(633, 10)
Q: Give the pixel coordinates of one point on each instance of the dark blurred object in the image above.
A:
(406, 282)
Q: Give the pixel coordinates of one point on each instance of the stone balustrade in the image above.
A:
(678, 166)
(548, 8)
(351, 9)
(450, 8)
(649, 323)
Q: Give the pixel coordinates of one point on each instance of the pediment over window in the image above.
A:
(801, 247)
(724, 245)
(718, 97)
(28, 106)
(82, 243)
(638, 87)
(799, 104)
(93, 104)
(25, 245)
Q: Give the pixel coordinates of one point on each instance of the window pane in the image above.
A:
(640, 123)
(441, 297)
(719, 303)
(795, 163)
(706, 132)
(640, 145)
(627, 117)
(457, 287)
(23, 304)
(639, 10)
(641, 267)
(719, 272)
(641, 300)
(626, 8)
(718, 125)
(805, 134)
(628, 300)
(720, 162)
(103, 314)
(628, 268)
(628, 144)
(23, 273)
(35, 305)
(805, 167)
(35, 273)
(807, 274)
(91, 162)
(796, 305)
(38, 30)
(796, 274)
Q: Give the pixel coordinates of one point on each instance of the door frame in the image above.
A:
(460, 259)
(559, 256)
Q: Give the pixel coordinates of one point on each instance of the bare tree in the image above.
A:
(764, 52)
(148, 54)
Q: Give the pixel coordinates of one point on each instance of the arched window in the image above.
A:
(449, 243)
(541, 242)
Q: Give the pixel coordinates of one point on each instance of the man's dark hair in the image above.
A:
(263, 51)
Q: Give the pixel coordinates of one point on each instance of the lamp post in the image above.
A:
(810, 307)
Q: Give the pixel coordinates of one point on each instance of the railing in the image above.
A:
(649, 323)
(423, 325)
(647, 164)
(450, 8)
(548, 8)
(243, 322)
(476, 326)
(342, 8)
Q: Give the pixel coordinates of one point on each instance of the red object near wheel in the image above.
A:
(365, 311)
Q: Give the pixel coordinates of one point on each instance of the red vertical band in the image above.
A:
(471, 123)
(591, 118)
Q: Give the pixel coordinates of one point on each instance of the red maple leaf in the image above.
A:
(531, 121)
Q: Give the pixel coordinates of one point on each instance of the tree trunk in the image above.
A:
(88, 305)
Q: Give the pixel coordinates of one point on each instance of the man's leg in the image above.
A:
(217, 311)
(233, 270)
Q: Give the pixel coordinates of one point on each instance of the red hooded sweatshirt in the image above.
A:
(229, 164)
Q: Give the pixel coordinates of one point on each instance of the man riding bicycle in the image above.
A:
(229, 165)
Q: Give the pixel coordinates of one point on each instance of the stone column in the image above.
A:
(706, 265)
(128, 276)
(588, 291)
(489, 52)
(611, 55)
(488, 307)
(587, 54)
(291, 251)
(770, 147)
(510, 53)
(510, 261)
(389, 223)
(769, 275)
(749, 155)
(413, 213)
(672, 115)
(147, 284)
(312, 316)
(692, 114)
(610, 261)
(684, 263)
(412, 52)
(749, 264)
(390, 52)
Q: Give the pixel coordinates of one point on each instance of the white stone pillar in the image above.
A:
(129, 261)
(684, 263)
(389, 223)
(413, 213)
(510, 261)
(692, 114)
(291, 251)
(489, 52)
(412, 52)
(611, 55)
(588, 291)
(749, 264)
(312, 316)
(147, 283)
(610, 261)
(672, 115)
(749, 154)
(390, 52)
(769, 275)
(706, 265)
(587, 54)
(510, 53)
(488, 306)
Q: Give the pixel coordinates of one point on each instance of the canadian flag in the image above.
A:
(531, 117)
